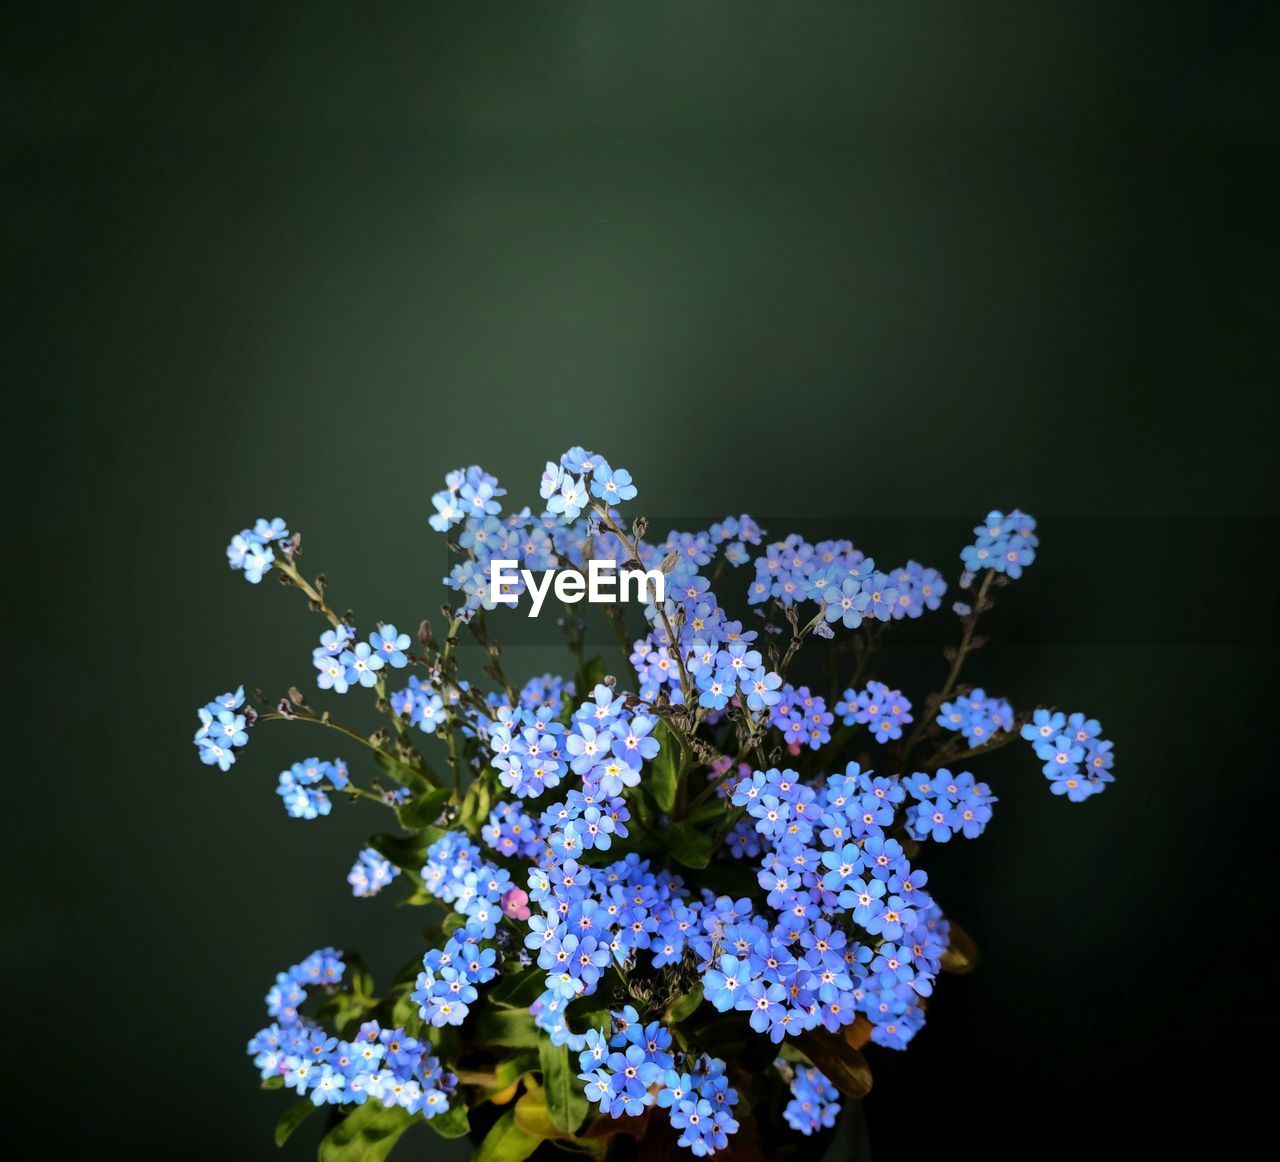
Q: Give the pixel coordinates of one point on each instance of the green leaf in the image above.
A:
(533, 1115)
(275, 1081)
(502, 1076)
(344, 1011)
(452, 922)
(519, 990)
(511, 1027)
(566, 1103)
(593, 673)
(405, 851)
(686, 1006)
(402, 773)
(664, 771)
(359, 980)
(580, 1019)
(424, 810)
(404, 1008)
(292, 1118)
(367, 1134)
(789, 1052)
(688, 845)
(962, 954)
(506, 1142)
(840, 1062)
(714, 811)
(477, 802)
(453, 1122)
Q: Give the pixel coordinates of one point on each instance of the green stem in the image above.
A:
(943, 756)
(966, 640)
(322, 720)
(287, 567)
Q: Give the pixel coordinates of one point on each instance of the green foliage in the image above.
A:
(506, 1142)
(453, 1122)
(345, 1011)
(513, 1028)
(686, 1005)
(424, 810)
(292, 1118)
(358, 977)
(533, 1116)
(961, 955)
(452, 922)
(519, 990)
(664, 770)
(842, 1064)
(688, 845)
(503, 1075)
(403, 773)
(593, 673)
(566, 1103)
(478, 801)
(367, 1134)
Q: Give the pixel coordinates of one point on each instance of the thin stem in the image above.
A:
(480, 631)
(290, 570)
(358, 792)
(632, 547)
(870, 644)
(322, 720)
(451, 719)
(962, 651)
(944, 756)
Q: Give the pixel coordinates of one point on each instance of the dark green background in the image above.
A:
(860, 262)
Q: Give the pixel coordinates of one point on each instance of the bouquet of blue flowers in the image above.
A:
(675, 900)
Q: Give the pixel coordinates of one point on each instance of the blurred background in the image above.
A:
(877, 267)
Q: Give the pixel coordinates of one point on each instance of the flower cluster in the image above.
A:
(814, 1100)
(946, 805)
(371, 872)
(386, 1066)
(845, 895)
(250, 550)
(223, 729)
(637, 1067)
(802, 717)
(1006, 544)
(302, 787)
(446, 987)
(976, 717)
(631, 881)
(1077, 759)
(844, 582)
(885, 711)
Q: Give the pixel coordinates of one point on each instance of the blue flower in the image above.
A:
(814, 1100)
(1005, 544)
(222, 730)
(265, 531)
(976, 716)
(302, 802)
(361, 664)
(572, 498)
(886, 711)
(257, 561)
(845, 603)
(765, 1002)
(612, 484)
(390, 645)
(371, 872)
(250, 549)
